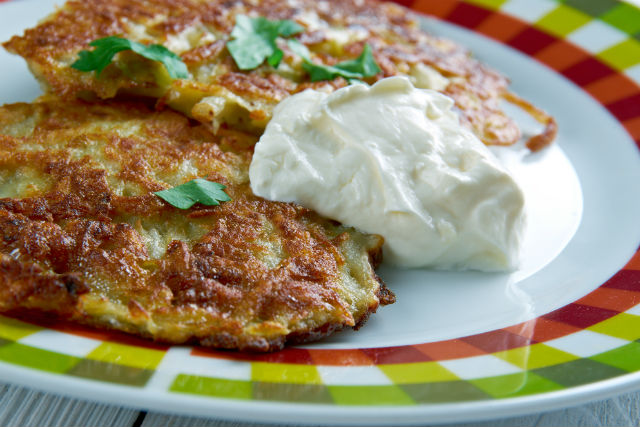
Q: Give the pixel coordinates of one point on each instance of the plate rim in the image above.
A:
(460, 15)
(270, 412)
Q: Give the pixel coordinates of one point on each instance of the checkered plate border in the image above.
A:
(593, 43)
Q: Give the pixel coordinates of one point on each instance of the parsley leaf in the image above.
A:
(254, 40)
(299, 49)
(199, 190)
(363, 66)
(107, 47)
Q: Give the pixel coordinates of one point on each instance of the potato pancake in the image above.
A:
(82, 236)
(218, 93)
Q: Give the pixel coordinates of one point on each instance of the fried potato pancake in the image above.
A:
(83, 236)
(217, 92)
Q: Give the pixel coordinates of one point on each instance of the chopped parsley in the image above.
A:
(363, 66)
(106, 48)
(254, 41)
(199, 190)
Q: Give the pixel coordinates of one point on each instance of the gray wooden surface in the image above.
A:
(21, 406)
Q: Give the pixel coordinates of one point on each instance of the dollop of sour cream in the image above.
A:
(393, 160)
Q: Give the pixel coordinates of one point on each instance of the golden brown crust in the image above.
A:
(204, 25)
(82, 235)
(546, 137)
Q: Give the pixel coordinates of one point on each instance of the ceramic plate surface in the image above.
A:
(563, 329)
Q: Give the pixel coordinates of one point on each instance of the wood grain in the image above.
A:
(20, 406)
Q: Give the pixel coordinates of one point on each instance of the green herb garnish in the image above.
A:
(254, 40)
(363, 66)
(107, 47)
(199, 190)
(299, 49)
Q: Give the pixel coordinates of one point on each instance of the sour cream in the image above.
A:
(393, 160)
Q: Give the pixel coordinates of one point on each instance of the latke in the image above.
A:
(218, 93)
(83, 237)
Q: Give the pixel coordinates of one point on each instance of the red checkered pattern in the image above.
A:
(616, 92)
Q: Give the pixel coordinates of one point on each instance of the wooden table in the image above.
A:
(21, 406)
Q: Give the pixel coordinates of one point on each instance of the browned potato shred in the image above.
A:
(217, 93)
(84, 237)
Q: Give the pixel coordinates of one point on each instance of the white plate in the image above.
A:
(583, 203)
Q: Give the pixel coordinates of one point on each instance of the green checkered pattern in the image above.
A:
(609, 29)
(105, 361)
(605, 350)
(612, 346)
